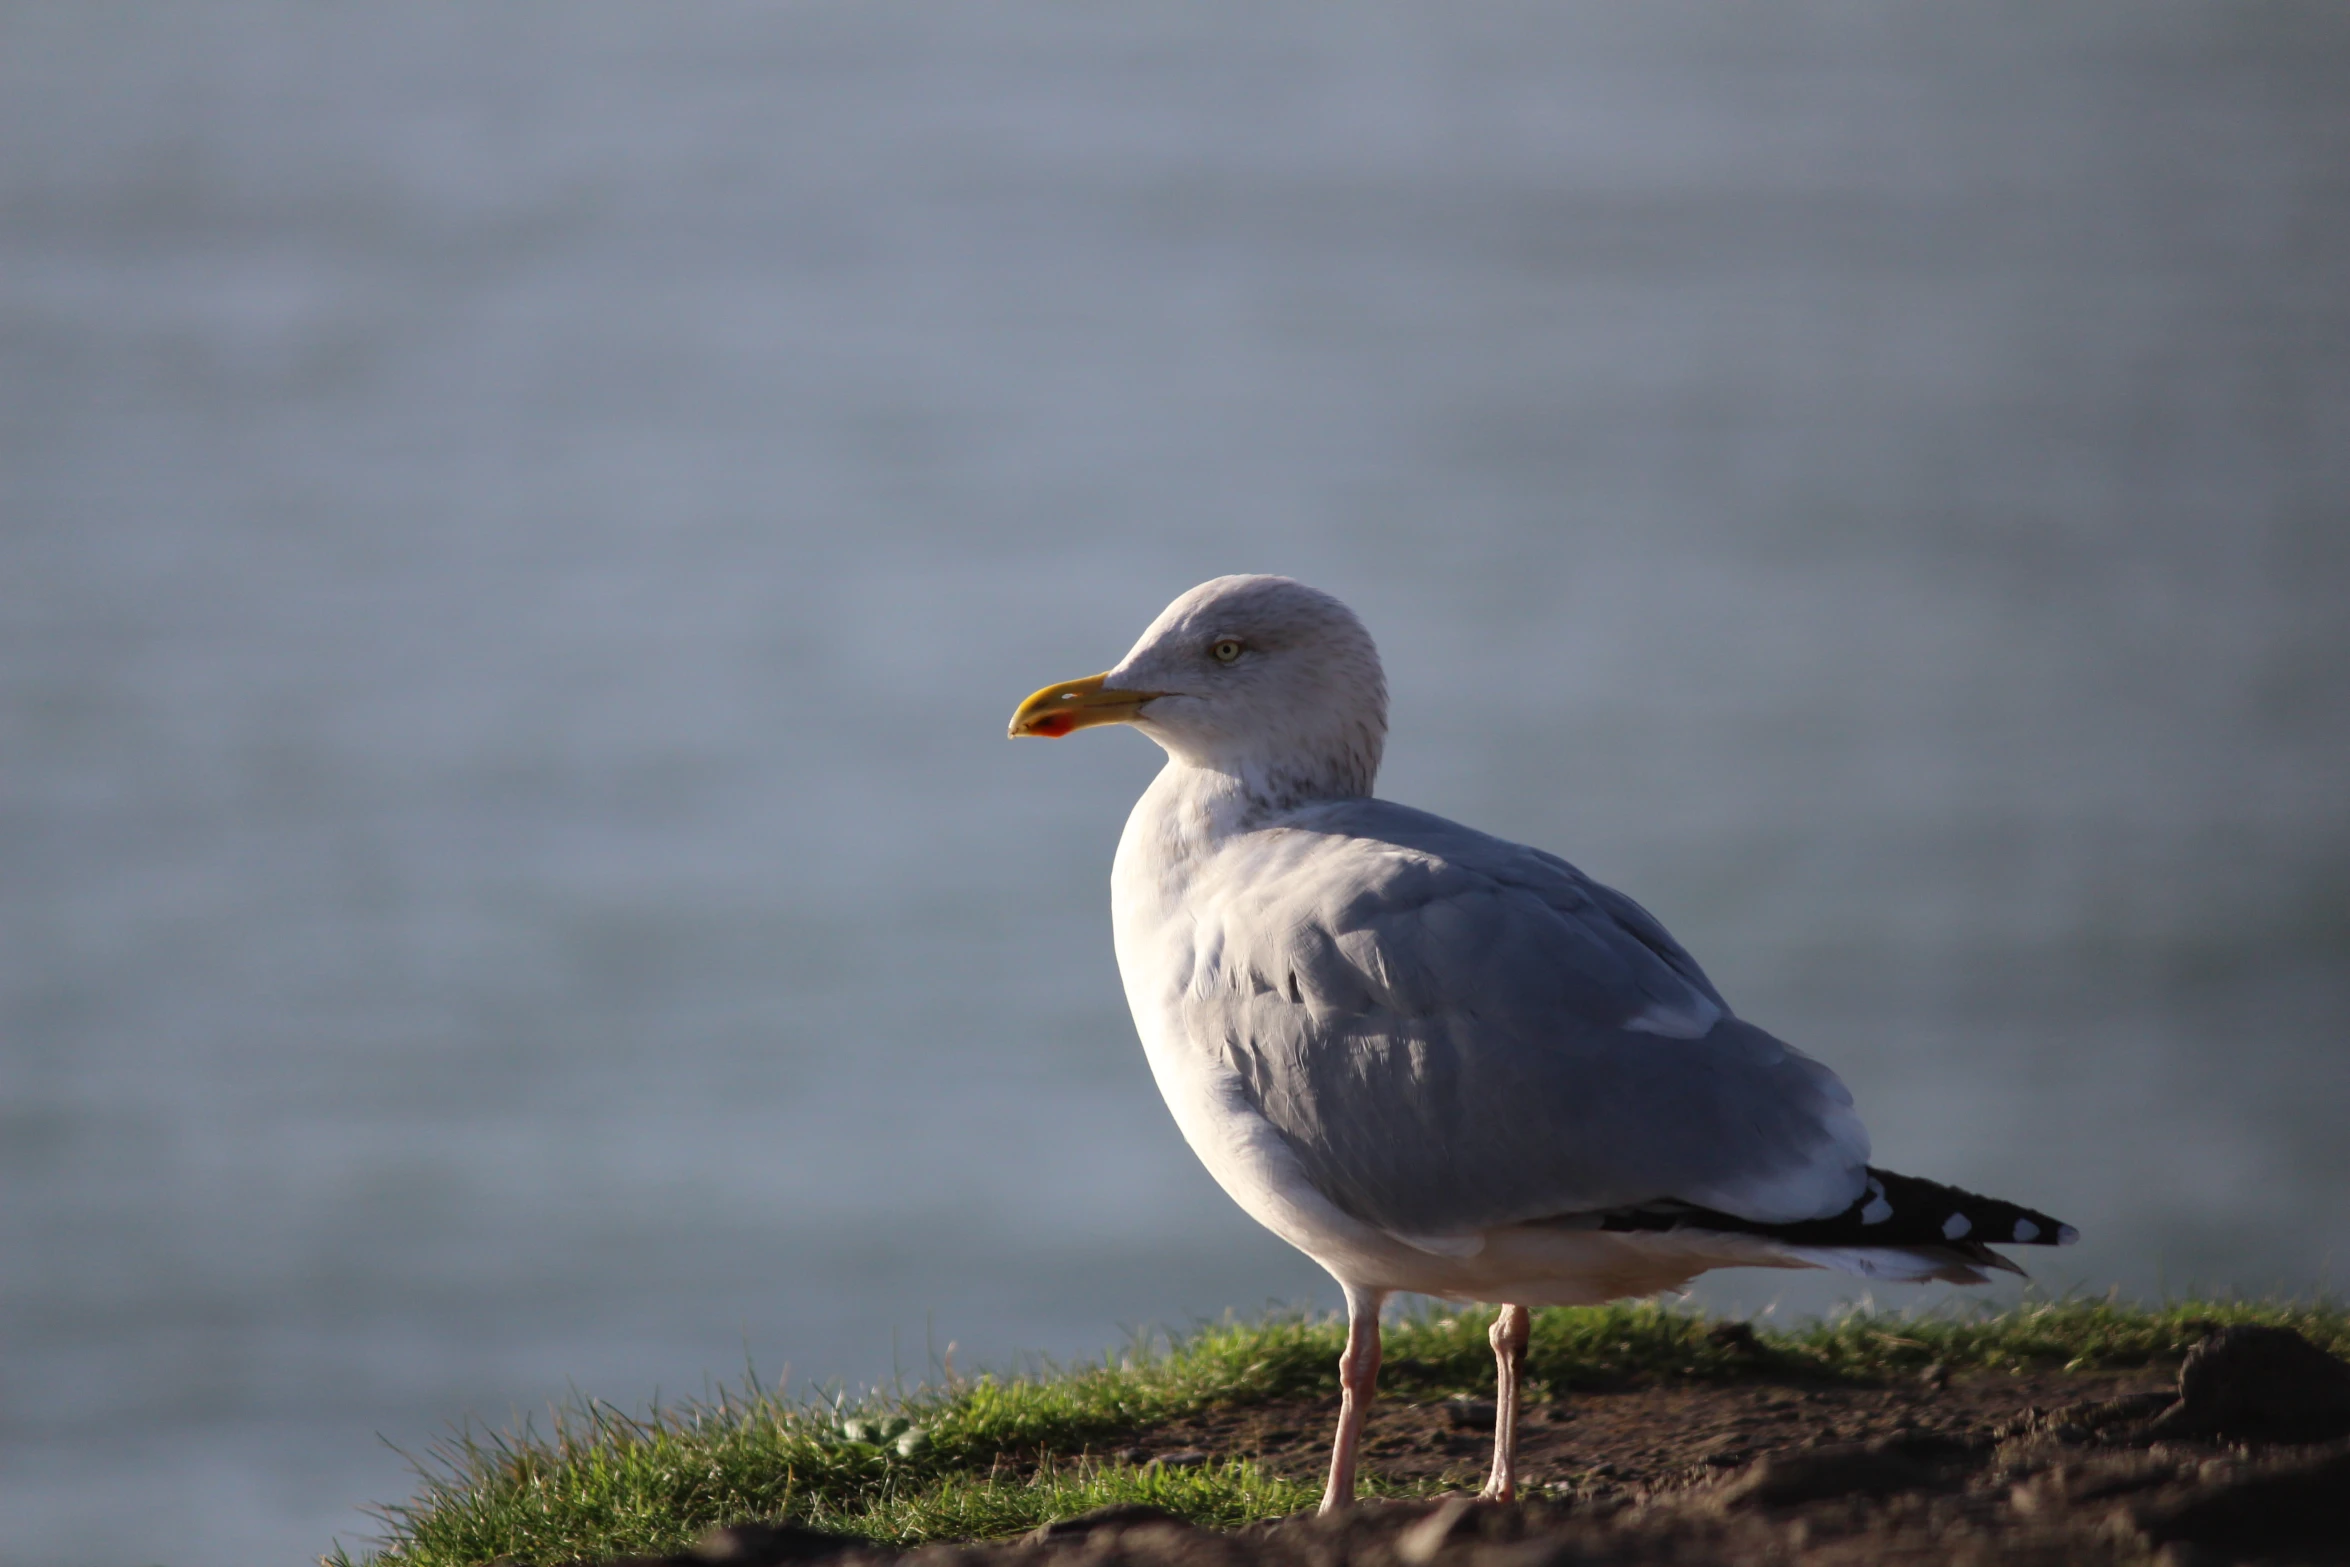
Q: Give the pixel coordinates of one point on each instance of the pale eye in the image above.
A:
(1226, 650)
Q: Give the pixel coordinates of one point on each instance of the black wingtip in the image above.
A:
(1907, 1204)
(1893, 1211)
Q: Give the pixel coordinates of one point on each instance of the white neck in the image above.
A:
(1338, 764)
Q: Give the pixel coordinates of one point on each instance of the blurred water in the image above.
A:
(522, 526)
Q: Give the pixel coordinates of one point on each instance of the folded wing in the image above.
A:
(1455, 1032)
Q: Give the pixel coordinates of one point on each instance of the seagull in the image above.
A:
(1437, 1061)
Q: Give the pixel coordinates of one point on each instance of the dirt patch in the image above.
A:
(1627, 1444)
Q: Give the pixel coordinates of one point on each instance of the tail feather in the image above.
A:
(1906, 1265)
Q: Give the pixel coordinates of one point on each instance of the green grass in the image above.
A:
(994, 1455)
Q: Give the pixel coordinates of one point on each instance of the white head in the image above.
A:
(1262, 678)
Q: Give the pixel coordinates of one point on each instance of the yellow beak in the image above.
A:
(1076, 704)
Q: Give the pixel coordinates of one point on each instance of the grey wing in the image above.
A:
(1454, 1032)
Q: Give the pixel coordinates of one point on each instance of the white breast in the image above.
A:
(1170, 843)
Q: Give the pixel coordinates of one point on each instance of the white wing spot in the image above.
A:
(2066, 1235)
(2026, 1230)
(1956, 1226)
(1877, 1212)
(1692, 1019)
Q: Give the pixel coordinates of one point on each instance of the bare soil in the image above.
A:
(1632, 1443)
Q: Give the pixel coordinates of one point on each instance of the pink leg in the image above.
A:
(1509, 1353)
(1358, 1380)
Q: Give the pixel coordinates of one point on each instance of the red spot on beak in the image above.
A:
(1052, 725)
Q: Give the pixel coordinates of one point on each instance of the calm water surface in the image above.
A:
(520, 528)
